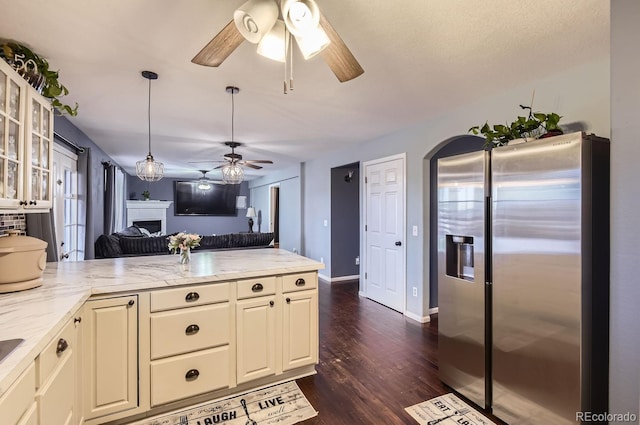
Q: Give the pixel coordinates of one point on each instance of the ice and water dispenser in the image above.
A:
(459, 257)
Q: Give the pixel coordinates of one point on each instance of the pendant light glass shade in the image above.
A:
(300, 16)
(274, 45)
(149, 169)
(255, 18)
(313, 42)
(232, 173)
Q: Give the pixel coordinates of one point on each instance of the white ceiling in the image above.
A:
(421, 58)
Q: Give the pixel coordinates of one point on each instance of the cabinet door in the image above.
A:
(56, 397)
(110, 339)
(13, 91)
(300, 329)
(38, 152)
(256, 338)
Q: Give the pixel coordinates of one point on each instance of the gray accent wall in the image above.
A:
(624, 351)
(203, 225)
(345, 220)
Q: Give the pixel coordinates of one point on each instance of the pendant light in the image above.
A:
(232, 173)
(149, 169)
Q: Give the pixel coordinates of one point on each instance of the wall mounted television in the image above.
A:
(217, 199)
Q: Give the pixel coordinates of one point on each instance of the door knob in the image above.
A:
(398, 243)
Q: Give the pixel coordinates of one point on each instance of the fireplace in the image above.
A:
(152, 226)
(146, 213)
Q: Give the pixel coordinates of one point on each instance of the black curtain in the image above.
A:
(109, 198)
(85, 207)
(41, 226)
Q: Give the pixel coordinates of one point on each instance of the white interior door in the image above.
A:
(385, 263)
(65, 204)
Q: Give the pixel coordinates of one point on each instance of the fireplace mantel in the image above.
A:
(148, 211)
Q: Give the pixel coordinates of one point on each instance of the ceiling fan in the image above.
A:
(257, 21)
(232, 163)
(204, 182)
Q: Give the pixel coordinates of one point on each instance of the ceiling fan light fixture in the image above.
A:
(232, 173)
(149, 169)
(313, 42)
(255, 18)
(274, 45)
(300, 16)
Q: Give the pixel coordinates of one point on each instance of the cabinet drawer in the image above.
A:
(299, 281)
(18, 397)
(256, 287)
(189, 329)
(189, 296)
(184, 376)
(54, 353)
(55, 398)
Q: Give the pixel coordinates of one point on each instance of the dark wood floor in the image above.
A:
(374, 362)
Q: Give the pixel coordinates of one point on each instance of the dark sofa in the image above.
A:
(130, 243)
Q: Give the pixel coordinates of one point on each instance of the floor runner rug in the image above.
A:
(282, 404)
(446, 410)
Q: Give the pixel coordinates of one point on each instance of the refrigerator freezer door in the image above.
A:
(536, 208)
(461, 274)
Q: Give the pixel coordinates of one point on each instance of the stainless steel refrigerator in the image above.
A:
(523, 288)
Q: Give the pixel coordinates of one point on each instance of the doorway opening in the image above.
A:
(345, 222)
(274, 214)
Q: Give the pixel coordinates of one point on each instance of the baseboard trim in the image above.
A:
(339, 278)
(362, 294)
(433, 310)
(420, 319)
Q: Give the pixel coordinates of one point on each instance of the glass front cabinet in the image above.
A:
(26, 144)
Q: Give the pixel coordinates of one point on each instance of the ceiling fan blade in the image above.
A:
(219, 166)
(220, 47)
(255, 167)
(258, 161)
(338, 56)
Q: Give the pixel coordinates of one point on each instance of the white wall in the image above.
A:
(289, 181)
(624, 352)
(580, 94)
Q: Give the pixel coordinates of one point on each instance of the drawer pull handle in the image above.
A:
(192, 329)
(77, 320)
(192, 375)
(288, 300)
(192, 296)
(62, 346)
(257, 287)
(271, 303)
(131, 302)
(300, 282)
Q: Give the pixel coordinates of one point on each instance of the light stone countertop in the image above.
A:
(37, 315)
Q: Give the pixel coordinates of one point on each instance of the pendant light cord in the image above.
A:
(149, 116)
(232, 113)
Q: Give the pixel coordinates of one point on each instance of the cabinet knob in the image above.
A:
(257, 287)
(192, 374)
(62, 346)
(131, 302)
(300, 282)
(271, 303)
(288, 300)
(192, 297)
(33, 202)
(22, 202)
(192, 329)
(77, 320)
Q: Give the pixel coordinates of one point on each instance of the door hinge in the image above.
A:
(365, 227)
(366, 180)
(365, 275)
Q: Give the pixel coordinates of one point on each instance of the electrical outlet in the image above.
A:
(414, 231)
(325, 223)
(322, 260)
(358, 261)
(415, 291)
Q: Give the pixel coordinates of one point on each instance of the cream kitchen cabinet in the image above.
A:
(256, 314)
(191, 346)
(17, 405)
(26, 145)
(56, 379)
(300, 343)
(110, 358)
